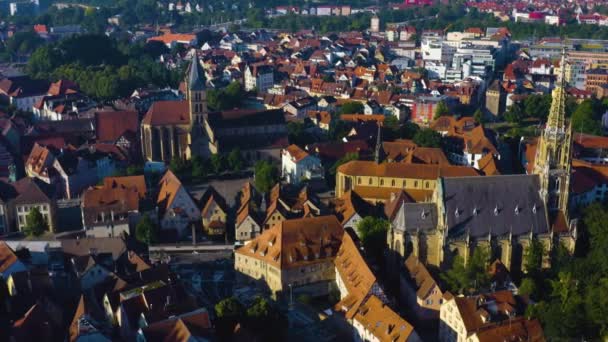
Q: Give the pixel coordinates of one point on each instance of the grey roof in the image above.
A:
(196, 79)
(416, 217)
(487, 205)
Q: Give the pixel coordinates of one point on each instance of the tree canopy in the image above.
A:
(586, 117)
(461, 278)
(572, 295)
(105, 68)
(352, 107)
(35, 223)
(372, 232)
(441, 109)
(266, 176)
(427, 137)
(146, 230)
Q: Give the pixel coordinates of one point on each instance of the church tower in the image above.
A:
(196, 93)
(553, 154)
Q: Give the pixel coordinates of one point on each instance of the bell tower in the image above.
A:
(553, 154)
(196, 93)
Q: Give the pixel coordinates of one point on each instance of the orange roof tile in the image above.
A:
(385, 324)
(169, 186)
(488, 165)
(297, 242)
(384, 194)
(168, 113)
(354, 273)
(398, 150)
(296, 152)
(362, 117)
(7, 257)
(427, 155)
(168, 38)
(128, 182)
(400, 170)
(420, 275)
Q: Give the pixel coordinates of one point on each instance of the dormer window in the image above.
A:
(457, 213)
(475, 211)
(423, 215)
(534, 208)
(516, 210)
(496, 211)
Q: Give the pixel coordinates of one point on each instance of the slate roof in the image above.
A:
(487, 205)
(416, 216)
(195, 76)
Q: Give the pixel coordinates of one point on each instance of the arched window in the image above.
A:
(381, 181)
(359, 181)
(370, 181)
(427, 185)
(393, 183)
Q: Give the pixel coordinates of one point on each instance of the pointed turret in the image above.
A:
(554, 152)
(557, 114)
(378, 153)
(196, 80)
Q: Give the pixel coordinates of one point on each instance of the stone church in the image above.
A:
(501, 213)
(184, 128)
(175, 128)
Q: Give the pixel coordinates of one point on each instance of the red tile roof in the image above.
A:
(113, 125)
(163, 113)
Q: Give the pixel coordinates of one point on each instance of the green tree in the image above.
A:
(537, 106)
(23, 43)
(455, 277)
(441, 109)
(347, 157)
(262, 314)
(266, 176)
(229, 307)
(372, 232)
(146, 230)
(585, 119)
(533, 258)
(229, 312)
(352, 107)
(135, 169)
(427, 137)
(471, 277)
(199, 167)
(408, 130)
(177, 165)
(515, 113)
(235, 160)
(35, 223)
(297, 134)
(596, 304)
(528, 287)
(218, 163)
(479, 117)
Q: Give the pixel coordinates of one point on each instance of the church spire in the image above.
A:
(557, 115)
(378, 152)
(196, 79)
